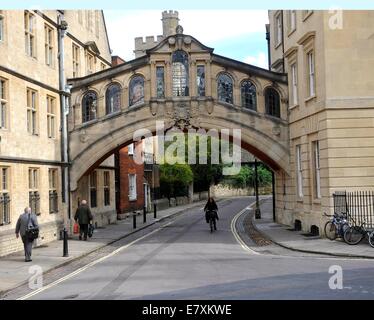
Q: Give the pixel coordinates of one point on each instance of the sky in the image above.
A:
(237, 34)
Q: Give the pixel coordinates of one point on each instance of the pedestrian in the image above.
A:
(25, 221)
(210, 206)
(83, 216)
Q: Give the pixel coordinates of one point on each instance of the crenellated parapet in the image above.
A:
(142, 45)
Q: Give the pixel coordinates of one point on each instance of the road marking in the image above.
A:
(31, 294)
(235, 233)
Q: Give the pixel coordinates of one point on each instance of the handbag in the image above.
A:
(32, 232)
(76, 228)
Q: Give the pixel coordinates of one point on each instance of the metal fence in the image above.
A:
(358, 206)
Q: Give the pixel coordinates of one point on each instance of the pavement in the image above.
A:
(296, 240)
(182, 259)
(15, 272)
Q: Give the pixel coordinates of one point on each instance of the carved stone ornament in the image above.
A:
(83, 136)
(209, 107)
(276, 131)
(184, 115)
(154, 108)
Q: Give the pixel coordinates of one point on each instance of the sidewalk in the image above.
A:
(15, 272)
(294, 240)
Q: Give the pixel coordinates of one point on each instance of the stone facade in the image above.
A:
(37, 70)
(339, 113)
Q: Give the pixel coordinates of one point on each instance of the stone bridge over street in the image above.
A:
(184, 84)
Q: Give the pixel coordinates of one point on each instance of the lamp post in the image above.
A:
(257, 209)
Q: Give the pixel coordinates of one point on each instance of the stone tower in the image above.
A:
(170, 22)
(169, 25)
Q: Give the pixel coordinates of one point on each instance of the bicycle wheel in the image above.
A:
(353, 235)
(371, 239)
(330, 230)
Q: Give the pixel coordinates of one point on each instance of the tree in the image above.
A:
(174, 179)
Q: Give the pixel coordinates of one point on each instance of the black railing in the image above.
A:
(357, 206)
(4, 209)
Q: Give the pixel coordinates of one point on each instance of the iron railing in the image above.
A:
(357, 206)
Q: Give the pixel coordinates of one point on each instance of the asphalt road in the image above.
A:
(183, 260)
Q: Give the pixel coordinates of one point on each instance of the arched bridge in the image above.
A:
(183, 83)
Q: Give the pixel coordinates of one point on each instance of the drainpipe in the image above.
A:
(283, 28)
(64, 94)
(268, 43)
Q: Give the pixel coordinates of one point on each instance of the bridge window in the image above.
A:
(160, 82)
(180, 74)
(272, 102)
(113, 99)
(200, 81)
(225, 88)
(136, 90)
(248, 91)
(89, 106)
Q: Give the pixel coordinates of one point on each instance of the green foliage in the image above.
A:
(174, 179)
(246, 177)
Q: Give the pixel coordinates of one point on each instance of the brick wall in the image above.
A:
(128, 166)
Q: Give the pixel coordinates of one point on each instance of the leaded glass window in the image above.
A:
(136, 90)
(272, 102)
(113, 98)
(248, 92)
(160, 85)
(89, 106)
(180, 74)
(200, 81)
(225, 88)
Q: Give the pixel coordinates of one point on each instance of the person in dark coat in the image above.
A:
(210, 207)
(26, 220)
(83, 216)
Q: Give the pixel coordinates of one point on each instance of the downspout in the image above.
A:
(62, 27)
(283, 28)
(268, 43)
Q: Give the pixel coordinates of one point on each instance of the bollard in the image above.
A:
(134, 220)
(65, 248)
(144, 214)
(155, 210)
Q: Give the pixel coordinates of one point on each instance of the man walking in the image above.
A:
(25, 221)
(83, 216)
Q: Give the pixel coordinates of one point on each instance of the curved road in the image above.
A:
(183, 260)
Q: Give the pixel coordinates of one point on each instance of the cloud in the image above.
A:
(260, 60)
(208, 26)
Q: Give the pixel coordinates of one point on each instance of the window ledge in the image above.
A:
(291, 32)
(307, 15)
(294, 106)
(278, 45)
(310, 98)
(317, 201)
(133, 199)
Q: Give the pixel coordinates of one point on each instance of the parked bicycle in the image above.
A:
(354, 234)
(336, 227)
